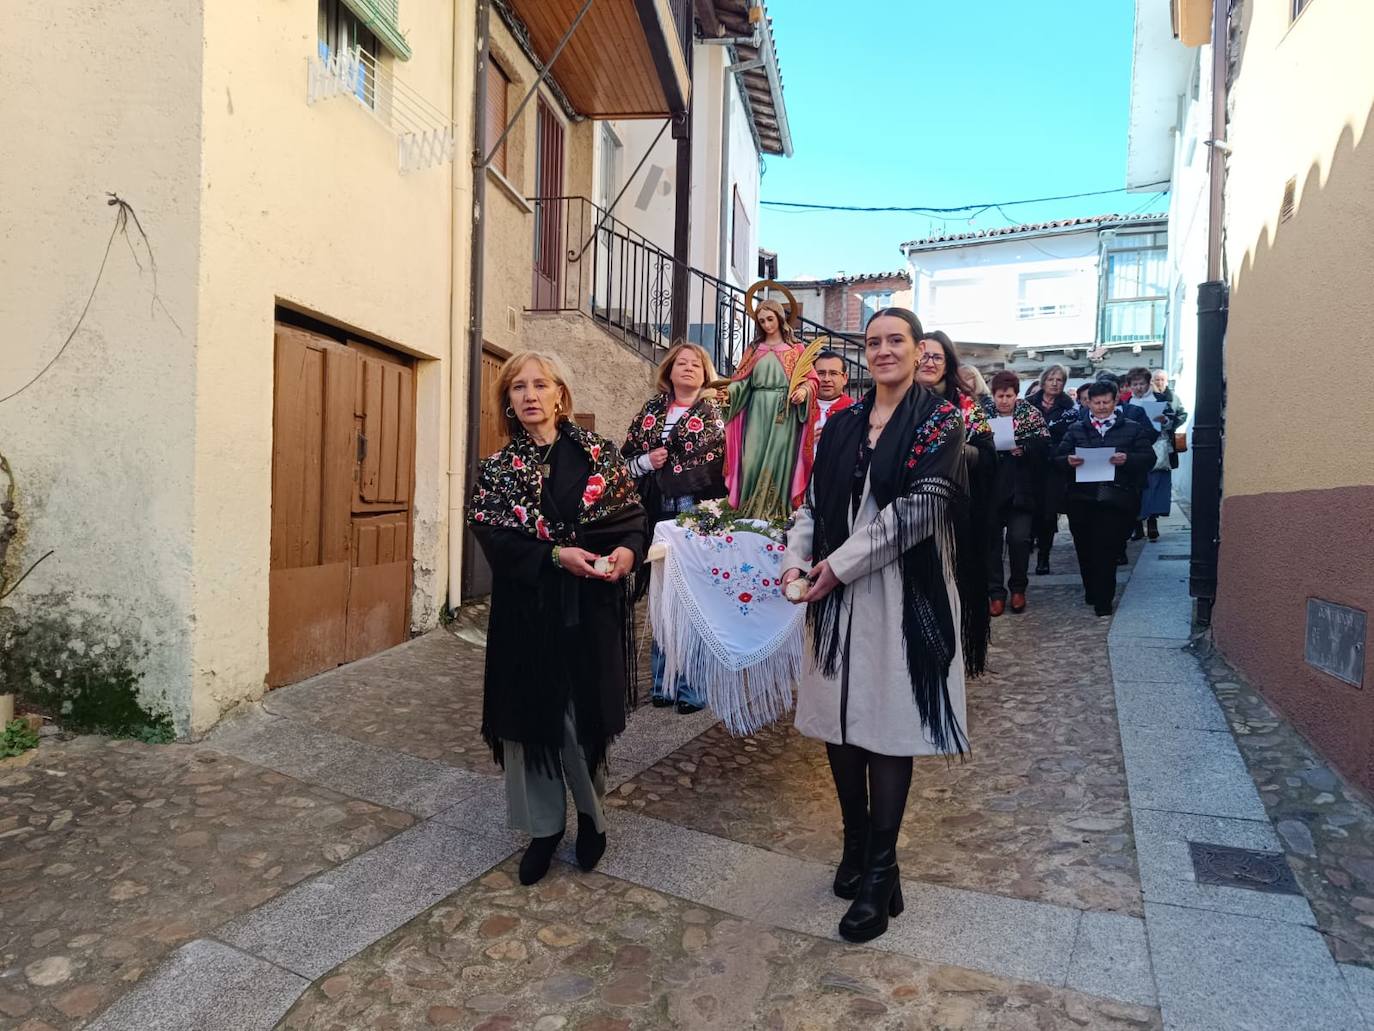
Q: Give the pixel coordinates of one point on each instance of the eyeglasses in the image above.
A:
(931, 359)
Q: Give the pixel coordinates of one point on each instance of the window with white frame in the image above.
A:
(352, 45)
(1046, 295)
(956, 300)
(871, 302)
(1135, 288)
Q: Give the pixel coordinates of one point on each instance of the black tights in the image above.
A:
(868, 782)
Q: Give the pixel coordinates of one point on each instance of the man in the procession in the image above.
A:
(830, 397)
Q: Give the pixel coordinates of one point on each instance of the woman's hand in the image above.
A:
(800, 395)
(1017, 452)
(622, 564)
(1076, 460)
(823, 581)
(1117, 458)
(578, 562)
(658, 457)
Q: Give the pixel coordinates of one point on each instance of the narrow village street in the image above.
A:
(336, 857)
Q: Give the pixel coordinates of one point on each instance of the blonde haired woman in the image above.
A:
(545, 509)
(676, 450)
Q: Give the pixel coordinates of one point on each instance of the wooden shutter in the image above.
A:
(492, 430)
(498, 85)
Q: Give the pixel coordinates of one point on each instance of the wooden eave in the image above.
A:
(730, 19)
(623, 61)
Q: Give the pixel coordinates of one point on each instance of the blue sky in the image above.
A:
(938, 103)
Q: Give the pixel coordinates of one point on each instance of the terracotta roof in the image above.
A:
(1034, 229)
(767, 112)
(862, 277)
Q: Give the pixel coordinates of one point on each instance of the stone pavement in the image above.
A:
(337, 858)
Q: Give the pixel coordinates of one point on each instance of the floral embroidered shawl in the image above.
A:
(509, 486)
(697, 438)
(1027, 423)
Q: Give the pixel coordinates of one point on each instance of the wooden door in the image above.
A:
(492, 428)
(312, 486)
(379, 585)
(548, 215)
(343, 457)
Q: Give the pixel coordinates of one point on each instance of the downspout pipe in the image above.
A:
(1212, 312)
(723, 243)
(459, 534)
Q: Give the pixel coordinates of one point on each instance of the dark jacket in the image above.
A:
(1019, 480)
(1131, 438)
(1129, 411)
(1058, 419)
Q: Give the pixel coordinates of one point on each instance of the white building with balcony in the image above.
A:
(1090, 293)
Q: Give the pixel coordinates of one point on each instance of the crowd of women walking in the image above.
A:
(904, 504)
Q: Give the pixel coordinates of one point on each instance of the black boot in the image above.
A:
(1152, 528)
(1042, 565)
(1138, 534)
(880, 890)
(851, 869)
(534, 864)
(591, 843)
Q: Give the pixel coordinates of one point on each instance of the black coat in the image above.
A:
(1058, 419)
(1129, 436)
(1019, 482)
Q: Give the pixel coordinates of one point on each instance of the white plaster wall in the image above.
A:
(744, 173)
(104, 97)
(306, 205)
(995, 269)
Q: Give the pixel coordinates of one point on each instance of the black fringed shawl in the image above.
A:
(919, 458)
(555, 641)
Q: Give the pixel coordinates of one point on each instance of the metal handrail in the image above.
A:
(625, 281)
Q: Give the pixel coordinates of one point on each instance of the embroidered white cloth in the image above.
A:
(719, 615)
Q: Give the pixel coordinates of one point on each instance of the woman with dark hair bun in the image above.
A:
(879, 537)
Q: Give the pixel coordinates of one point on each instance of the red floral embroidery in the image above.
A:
(596, 483)
(517, 462)
(746, 598)
(479, 517)
(541, 528)
(725, 575)
(649, 422)
(677, 468)
(687, 445)
(695, 425)
(521, 513)
(715, 572)
(596, 452)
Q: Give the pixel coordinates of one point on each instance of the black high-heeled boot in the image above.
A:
(851, 869)
(880, 890)
(591, 843)
(534, 864)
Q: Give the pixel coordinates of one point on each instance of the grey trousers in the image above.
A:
(537, 802)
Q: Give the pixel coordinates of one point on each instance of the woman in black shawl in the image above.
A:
(886, 504)
(558, 519)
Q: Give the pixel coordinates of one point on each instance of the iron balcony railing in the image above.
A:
(588, 261)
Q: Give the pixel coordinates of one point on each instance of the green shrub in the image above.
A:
(17, 739)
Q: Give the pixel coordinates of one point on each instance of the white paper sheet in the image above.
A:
(1154, 409)
(1003, 432)
(1097, 464)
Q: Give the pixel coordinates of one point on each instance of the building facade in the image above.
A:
(1296, 574)
(1085, 292)
(845, 303)
(253, 296)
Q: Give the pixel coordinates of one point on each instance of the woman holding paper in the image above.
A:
(1106, 457)
(882, 531)
(1056, 407)
(556, 514)
(1021, 439)
(1155, 499)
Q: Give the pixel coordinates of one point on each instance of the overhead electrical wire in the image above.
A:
(787, 205)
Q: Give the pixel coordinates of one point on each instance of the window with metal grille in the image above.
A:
(498, 88)
(346, 25)
(739, 239)
(352, 46)
(1135, 292)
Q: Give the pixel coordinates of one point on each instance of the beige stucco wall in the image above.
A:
(306, 206)
(103, 97)
(608, 378)
(1302, 313)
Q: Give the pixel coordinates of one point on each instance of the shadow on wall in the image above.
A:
(1298, 516)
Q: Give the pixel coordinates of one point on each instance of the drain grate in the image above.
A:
(1242, 868)
(1174, 558)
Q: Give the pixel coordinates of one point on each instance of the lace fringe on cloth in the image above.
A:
(747, 691)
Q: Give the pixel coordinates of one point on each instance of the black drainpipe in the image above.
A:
(478, 264)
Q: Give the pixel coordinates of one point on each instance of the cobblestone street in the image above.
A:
(337, 858)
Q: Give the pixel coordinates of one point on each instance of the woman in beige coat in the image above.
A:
(878, 536)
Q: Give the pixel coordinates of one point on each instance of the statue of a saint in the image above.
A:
(772, 402)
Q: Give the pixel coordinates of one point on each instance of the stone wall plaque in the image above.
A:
(1336, 640)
